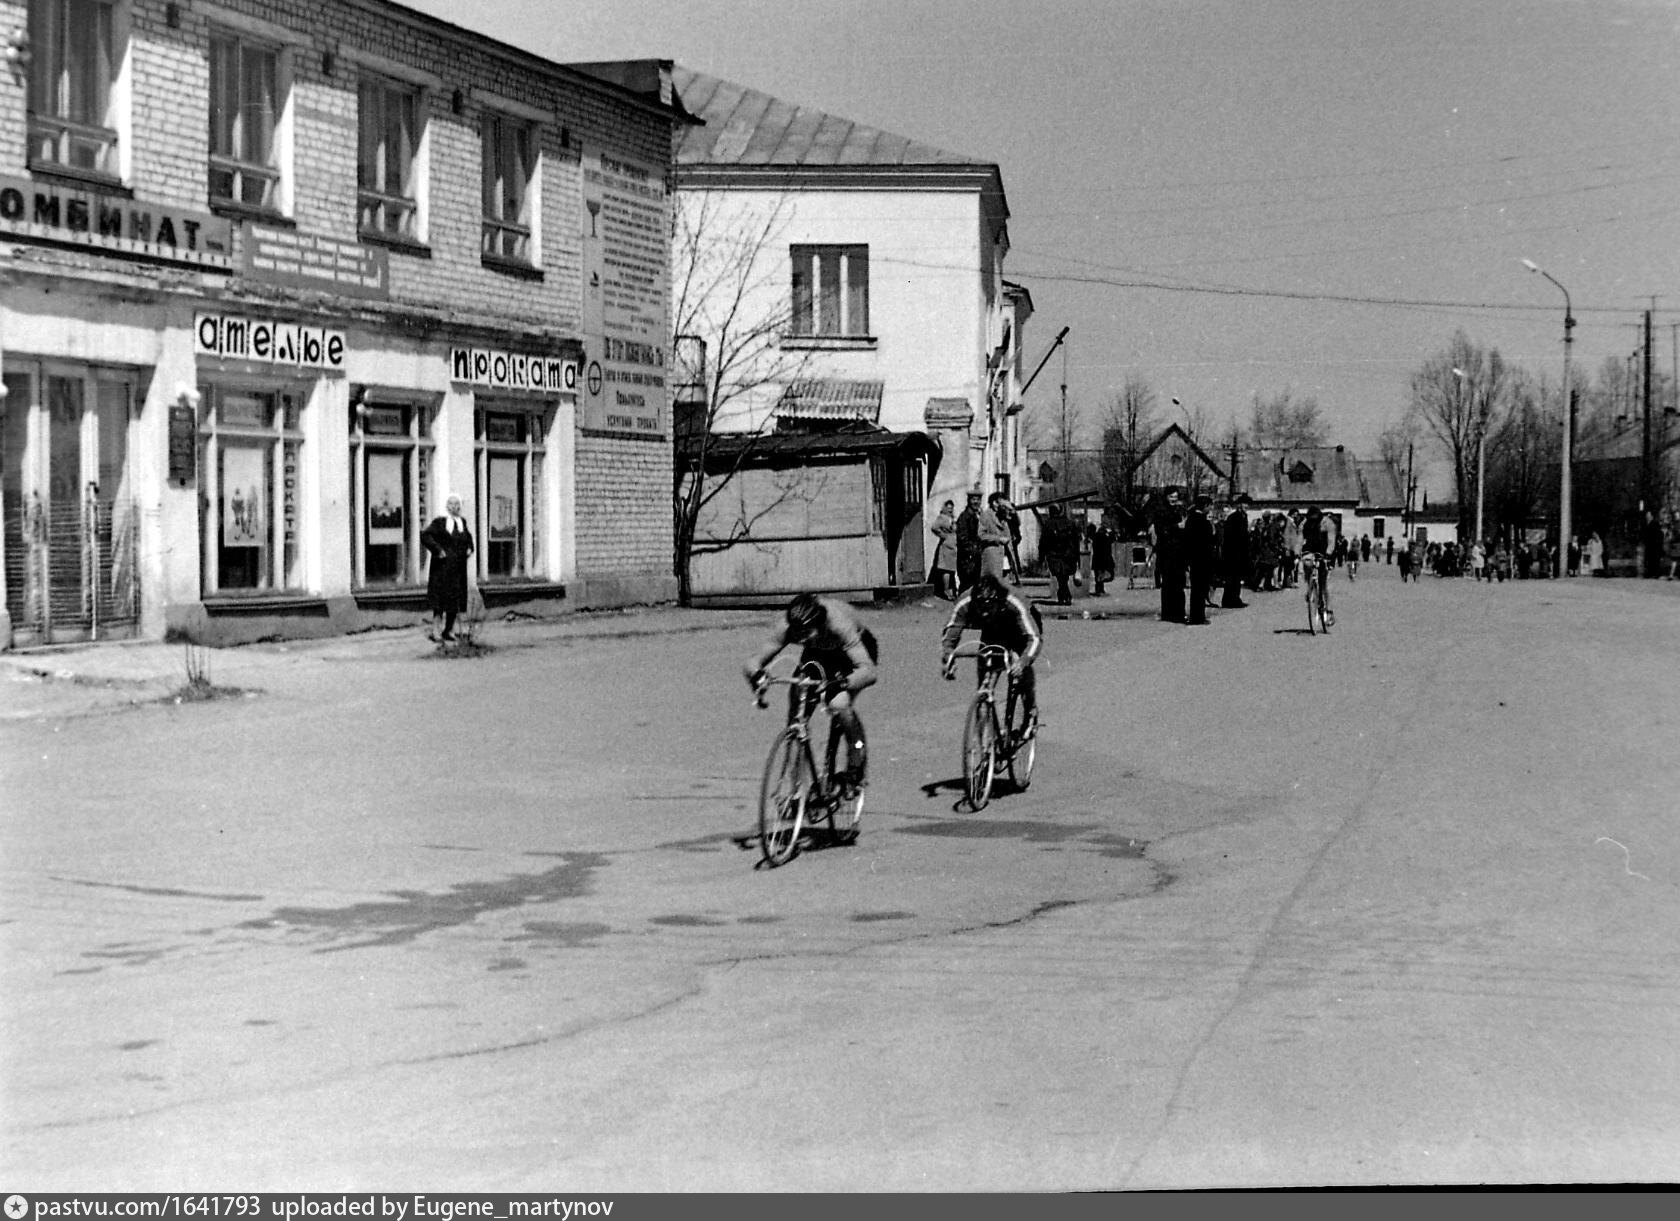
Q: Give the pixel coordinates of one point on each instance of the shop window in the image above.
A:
(74, 62)
(247, 98)
(509, 471)
(250, 466)
(390, 490)
(830, 290)
(388, 163)
(509, 151)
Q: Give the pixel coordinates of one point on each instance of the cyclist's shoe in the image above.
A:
(1329, 618)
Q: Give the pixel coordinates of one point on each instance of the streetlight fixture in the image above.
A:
(1481, 447)
(1566, 533)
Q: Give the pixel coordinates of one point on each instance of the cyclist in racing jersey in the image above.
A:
(1316, 542)
(1002, 617)
(828, 633)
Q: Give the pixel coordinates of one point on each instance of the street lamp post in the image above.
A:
(1190, 437)
(1564, 525)
(1481, 447)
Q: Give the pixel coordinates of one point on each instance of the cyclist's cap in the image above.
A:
(1203, 500)
(1314, 511)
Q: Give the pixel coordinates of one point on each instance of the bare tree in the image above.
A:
(1284, 421)
(1130, 420)
(1523, 448)
(1456, 394)
(727, 264)
(1058, 434)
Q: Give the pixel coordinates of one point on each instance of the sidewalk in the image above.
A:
(91, 678)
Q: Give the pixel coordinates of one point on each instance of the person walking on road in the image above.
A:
(943, 573)
(1102, 556)
(449, 544)
(1060, 548)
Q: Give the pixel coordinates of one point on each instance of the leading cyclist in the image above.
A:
(1315, 542)
(1002, 617)
(829, 634)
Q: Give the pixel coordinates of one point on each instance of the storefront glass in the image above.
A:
(251, 446)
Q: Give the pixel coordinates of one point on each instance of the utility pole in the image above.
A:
(1233, 465)
(1647, 488)
(1406, 516)
(1067, 436)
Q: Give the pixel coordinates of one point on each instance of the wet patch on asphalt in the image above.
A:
(681, 921)
(164, 892)
(704, 843)
(409, 914)
(873, 917)
(1033, 832)
(759, 919)
(561, 935)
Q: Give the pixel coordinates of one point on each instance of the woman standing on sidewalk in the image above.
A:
(943, 573)
(449, 544)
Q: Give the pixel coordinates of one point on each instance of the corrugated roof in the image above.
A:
(1381, 482)
(746, 127)
(728, 451)
(830, 398)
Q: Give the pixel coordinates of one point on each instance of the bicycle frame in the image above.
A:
(780, 831)
(985, 744)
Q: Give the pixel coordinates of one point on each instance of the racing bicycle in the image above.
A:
(796, 793)
(1315, 574)
(989, 743)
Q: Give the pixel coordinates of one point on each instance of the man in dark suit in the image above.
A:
(1168, 529)
(968, 542)
(1198, 553)
(449, 544)
(1233, 554)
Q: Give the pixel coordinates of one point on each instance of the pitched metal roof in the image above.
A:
(947, 413)
(1381, 483)
(746, 127)
(830, 398)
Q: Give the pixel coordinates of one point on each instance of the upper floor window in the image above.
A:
(830, 290)
(73, 65)
(245, 108)
(388, 163)
(509, 146)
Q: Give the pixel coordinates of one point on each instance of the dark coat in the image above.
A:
(1198, 546)
(968, 547)
(446, 582)
(1060, 546)
(1233, 550)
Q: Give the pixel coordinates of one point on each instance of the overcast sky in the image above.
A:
(1232, 197)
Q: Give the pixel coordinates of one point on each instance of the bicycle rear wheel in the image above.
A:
(783, 797)
(1312, 608)
(979, 753)
(1023, 742)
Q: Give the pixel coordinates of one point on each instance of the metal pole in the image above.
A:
(1481, 473)
(1565, 532)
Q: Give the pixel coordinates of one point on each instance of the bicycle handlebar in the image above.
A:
(806, 675)
(973, 648)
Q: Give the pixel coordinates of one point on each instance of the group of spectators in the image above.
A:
(985, 540)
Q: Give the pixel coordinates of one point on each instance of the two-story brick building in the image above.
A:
(277, 276)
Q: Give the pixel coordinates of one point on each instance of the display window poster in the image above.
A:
(504, 499)
(243, 496)
(385, 499)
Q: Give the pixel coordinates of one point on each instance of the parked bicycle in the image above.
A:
(1315, 575)
(991, 744)
(796, 793)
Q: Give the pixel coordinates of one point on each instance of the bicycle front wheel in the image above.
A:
(783, 797)
(979, 753)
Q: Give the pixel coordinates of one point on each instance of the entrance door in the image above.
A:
(71, 571)
(904, 525)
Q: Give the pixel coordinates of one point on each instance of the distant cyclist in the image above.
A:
(1316, 548)
(1004, 618)
(828, 633)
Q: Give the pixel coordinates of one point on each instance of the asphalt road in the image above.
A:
(1393, 906)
